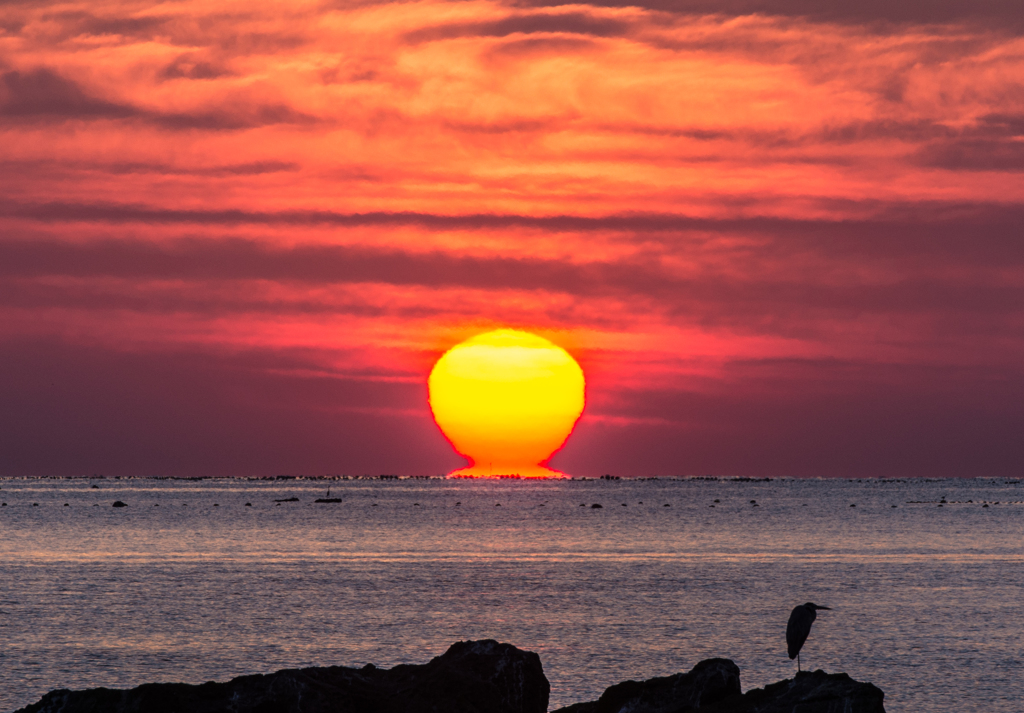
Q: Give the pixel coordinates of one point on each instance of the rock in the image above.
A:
(331, 500)
(816, 692)
(287, 500)
(708, 682)
(471, 677)
(119, 504)
(713, 686)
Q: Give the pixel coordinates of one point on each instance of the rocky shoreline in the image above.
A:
(471, 677)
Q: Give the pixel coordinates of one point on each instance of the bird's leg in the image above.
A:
(798, 662)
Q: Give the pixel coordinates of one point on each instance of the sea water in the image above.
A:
(188, 583)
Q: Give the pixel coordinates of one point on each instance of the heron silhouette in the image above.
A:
(799, 627)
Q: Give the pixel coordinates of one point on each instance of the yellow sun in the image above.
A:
(506, 400)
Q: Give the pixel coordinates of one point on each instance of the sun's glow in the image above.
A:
(507, 400)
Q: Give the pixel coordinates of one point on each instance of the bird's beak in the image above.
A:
(829, 608)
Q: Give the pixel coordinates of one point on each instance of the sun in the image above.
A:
(506, 400)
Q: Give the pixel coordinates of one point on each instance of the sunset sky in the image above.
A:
(781, 237)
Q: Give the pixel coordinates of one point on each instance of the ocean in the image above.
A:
(188, 583)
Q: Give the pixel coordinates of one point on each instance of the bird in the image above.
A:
(799, 627)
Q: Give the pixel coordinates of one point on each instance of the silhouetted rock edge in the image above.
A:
(472, 677)
(713, 687)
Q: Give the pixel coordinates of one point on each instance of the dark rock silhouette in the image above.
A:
(808, 692)
(119, 504)
(708, 682)
(713, 687)
(471, 677)
(329, 500)
(287, 500)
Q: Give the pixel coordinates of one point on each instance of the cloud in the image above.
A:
(247, 260)
(228, 119)
(1000, 13)
(540, 46)
(187, 67)
(79, 23)
(574, 23)
(120, 168)
(974, 155)
(937, 224)
(994, 143)
(254, 168)
(854, 282)
(42, 93)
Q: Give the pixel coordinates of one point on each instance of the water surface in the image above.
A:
(189, 584)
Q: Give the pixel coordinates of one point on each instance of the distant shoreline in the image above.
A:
(582, 478)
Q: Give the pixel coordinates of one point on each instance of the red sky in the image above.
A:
(783, 239)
